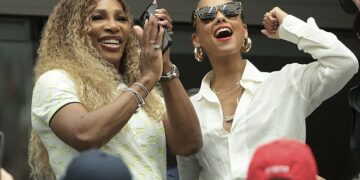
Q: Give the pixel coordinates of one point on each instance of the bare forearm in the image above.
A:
(83, 130)
(182, 126)
(97, 127)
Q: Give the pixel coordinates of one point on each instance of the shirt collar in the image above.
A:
(251, 73)
(250, 76)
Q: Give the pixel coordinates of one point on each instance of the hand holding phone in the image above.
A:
(150, 10)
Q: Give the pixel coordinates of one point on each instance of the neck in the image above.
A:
(227, 71)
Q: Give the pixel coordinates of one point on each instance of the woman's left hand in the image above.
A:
(271, 21)
(166, 22)
(150, 39)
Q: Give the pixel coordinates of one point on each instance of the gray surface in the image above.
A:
(328, 12)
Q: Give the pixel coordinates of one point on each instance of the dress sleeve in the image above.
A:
(53, 90)
(334, 67)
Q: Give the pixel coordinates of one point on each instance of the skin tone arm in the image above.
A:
(181, 125)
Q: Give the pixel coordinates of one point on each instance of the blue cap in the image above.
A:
(96, 165)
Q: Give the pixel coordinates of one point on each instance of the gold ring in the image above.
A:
(156, 46)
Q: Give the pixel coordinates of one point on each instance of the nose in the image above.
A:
(219, 17)
(112, 26)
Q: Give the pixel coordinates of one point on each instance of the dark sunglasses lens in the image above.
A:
(231, 10)
(206, 14)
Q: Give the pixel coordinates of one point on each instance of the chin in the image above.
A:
(113, 60)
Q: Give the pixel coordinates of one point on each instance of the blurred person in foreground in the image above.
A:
(283, 160)
(96, 165)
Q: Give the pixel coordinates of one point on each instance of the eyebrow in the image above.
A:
(120, 11)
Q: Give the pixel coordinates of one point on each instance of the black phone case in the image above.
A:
(166, 43)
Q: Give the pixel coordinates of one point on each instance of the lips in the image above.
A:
(111, 43)
(223, 32)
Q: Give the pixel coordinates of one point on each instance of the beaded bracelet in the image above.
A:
(139, 99)
(143, 88)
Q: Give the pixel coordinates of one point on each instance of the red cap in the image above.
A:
(283, 159)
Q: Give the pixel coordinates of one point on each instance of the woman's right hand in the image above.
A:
(272, 21)
(150, 39)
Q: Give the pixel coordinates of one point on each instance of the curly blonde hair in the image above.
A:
(65, 45)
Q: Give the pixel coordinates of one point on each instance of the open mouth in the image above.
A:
(223, 32)
(110, 42)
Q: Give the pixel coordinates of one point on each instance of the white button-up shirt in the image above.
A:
(273, 106)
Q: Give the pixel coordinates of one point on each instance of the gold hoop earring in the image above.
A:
(199, 54)
(247, 45)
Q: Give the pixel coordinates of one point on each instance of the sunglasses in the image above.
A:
(208, 13)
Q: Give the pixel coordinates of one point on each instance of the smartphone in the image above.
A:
(2, 139)
(146, 15)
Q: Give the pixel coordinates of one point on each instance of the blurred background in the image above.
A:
(328, 128)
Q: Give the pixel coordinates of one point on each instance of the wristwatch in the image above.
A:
(174, 73)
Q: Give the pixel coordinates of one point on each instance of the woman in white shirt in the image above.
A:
(94, 90)
(238, 106)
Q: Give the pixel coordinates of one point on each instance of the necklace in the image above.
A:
(226, 90)
(228, 118)
(237, 88)
(240, 89)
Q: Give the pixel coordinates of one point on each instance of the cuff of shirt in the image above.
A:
(292, 29)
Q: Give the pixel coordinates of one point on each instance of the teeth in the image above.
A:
(222, 30)
(110, 41)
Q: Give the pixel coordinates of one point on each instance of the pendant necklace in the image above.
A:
(229, 92)
(228, 118)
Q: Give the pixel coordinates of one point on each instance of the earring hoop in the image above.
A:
(247, 45)
(199, 54)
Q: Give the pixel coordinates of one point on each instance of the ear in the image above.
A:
(245, 31)
(195, 40)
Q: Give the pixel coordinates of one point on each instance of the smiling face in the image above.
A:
(109, 30)
(222, 35)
